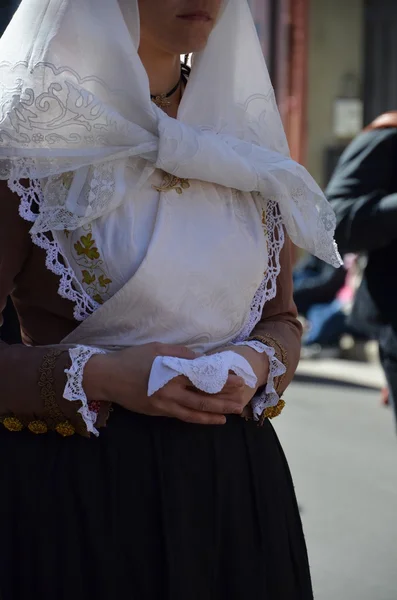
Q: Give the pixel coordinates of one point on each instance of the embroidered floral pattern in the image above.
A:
(173, 183)
(67, 179)
(76, 109)
(95, 279)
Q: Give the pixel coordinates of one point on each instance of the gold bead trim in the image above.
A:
(273, 411)
(54, 419)
(38, 427)
(12, 423)
(65, 429)
(269, 413)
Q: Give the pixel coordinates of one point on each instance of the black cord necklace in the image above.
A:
(162, 100)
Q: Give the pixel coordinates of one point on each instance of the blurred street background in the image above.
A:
(341, 448)
(333, 64)
(334, 68)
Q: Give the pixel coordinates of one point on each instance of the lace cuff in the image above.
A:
(267, 403)
(74, 390)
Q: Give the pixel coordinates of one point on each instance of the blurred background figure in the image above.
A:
(315, 283)
(363, 192)
(324, 298)
(334, 67)
(316, 288)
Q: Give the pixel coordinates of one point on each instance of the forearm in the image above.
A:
(278, 337)
(32, 388)
(283, 334)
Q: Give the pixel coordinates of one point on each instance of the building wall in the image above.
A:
(335, 49)
(261, 12)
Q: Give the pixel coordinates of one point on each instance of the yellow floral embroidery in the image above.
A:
(95, 279)
(86, 246)
(171, 182)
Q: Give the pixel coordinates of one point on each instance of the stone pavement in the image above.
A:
(342, 450)
(367, 374)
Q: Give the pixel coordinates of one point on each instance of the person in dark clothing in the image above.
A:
(316, 282)
(363, 193)
(316, 286)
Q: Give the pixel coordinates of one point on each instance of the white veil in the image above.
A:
(74, 96)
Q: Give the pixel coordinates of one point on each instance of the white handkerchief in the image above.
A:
(207, 373)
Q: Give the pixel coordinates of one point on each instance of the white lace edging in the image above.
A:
(275, 236)
(69, 286)
(74, 390)
(267, 397)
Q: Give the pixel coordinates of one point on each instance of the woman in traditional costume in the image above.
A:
(146, 216)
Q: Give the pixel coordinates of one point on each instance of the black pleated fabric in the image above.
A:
(154, 509)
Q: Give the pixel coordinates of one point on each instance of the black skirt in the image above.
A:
(154, 509)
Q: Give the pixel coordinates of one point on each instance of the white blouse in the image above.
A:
(167, 267)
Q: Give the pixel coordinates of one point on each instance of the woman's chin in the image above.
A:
(193, 37)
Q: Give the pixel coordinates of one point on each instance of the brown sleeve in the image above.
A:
(32, 380)
(279, 326)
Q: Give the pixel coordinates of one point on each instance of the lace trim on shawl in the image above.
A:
(275, 236)
(69, 286)
(71, 289)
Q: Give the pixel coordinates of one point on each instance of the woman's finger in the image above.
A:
(193, 416)
(209, 403)
(234, 381)
(178, 351)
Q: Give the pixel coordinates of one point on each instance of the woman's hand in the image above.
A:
(260, 365)
(122, 377)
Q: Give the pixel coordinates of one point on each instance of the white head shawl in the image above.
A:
(74, 96)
